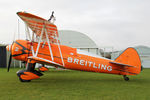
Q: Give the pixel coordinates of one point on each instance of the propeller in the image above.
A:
(10, 59)
(9, 48)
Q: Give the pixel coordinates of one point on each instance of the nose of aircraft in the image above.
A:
(8, 47)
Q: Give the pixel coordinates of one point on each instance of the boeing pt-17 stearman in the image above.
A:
(44, 47)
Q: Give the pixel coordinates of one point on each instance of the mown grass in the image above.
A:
(75, 85)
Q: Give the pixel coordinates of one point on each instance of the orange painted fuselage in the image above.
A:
(73, 58)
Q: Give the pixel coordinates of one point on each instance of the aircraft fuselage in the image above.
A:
(73, 58)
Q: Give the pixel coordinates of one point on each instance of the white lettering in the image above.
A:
(90, 63)
(99, 65)
(85, 63)
(94, 65)
(82, 62)
(76, 61)
(69, 59)
(109, 68)
(103, 67)
(16, 49)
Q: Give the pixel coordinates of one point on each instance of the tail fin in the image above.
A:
(130, 57)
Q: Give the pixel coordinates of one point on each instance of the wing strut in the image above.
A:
(29, 37)
(39, 41)
(60, 50)
(49, 44)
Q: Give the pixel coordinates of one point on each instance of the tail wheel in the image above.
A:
(141, 68)
(126, 78)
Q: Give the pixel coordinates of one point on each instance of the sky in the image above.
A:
(110, 23)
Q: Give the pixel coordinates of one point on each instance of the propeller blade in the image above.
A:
(10, 58)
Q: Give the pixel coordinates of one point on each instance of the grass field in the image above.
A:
(75, 85)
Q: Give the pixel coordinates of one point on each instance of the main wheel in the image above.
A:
(27, 76)
(126, 78)
(21, 72)
(21, 80)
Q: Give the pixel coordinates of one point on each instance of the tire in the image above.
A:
(21, 72)
(21, 80)
(126, 78)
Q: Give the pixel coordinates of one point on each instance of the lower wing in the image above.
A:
(44, 61)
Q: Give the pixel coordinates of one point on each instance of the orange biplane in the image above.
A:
(43, 46)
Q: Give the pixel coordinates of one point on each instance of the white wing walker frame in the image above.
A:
(42, 31)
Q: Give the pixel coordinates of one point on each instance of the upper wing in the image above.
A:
(37, 23)
(44, 61)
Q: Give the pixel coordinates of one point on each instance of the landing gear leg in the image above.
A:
(126, 78)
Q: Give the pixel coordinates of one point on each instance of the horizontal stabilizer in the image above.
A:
(120, 64)
(44, 61)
